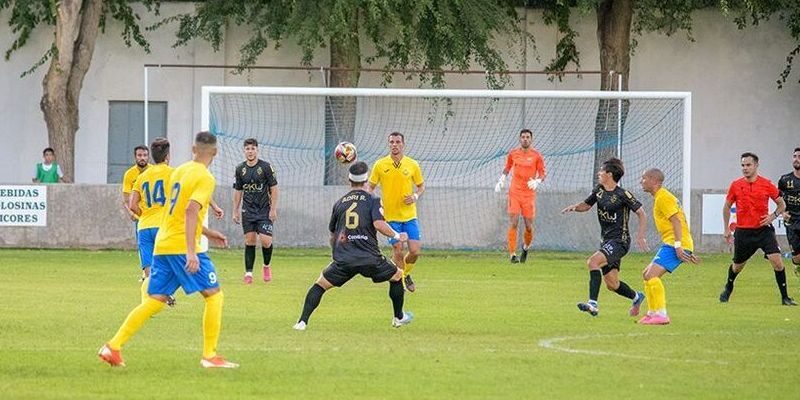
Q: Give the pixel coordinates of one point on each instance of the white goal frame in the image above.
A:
(686, 98)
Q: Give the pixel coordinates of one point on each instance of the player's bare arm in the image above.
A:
(384, 228)
(273, 198)
(767, 219)
(641, 241)
(190, 226)
(726, 219)
(216, 237)
(237, 204)
(412, 198)
(133, 205)
(580, 207)
(219, 213)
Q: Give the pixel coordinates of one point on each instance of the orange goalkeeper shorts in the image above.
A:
(525, 205)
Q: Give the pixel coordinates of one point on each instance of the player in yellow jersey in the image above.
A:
(176, 262)
(401, 182)
(677, 248)
(146, 202)
(141, 155)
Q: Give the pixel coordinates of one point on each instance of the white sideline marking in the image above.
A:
(553, 344)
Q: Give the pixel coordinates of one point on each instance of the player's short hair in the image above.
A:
(526, 130)
(402, 138)
(160, 148)
(796, 149)
(205, 138)
(751, 155)
(48, 149)
(655, 173)
(359, 168)
(250, 142)
(614, 167)
(140, 147)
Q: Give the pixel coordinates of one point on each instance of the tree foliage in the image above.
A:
(427, 35)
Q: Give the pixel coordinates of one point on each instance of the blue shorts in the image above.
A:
(168, 273)
(147, 240)
(667, 258)
(410, 227)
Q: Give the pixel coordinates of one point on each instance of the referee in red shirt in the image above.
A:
(754, 230)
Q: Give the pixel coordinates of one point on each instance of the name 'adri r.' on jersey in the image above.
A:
(665, 205)
(152, 187)
(789, 186)
(613, 211)
(192, 181)
(254, 183)
(397, 180)
(355, 242)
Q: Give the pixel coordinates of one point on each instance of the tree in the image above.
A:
(76, 24)
(427, 35)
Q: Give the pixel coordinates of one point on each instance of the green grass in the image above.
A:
(482, 330)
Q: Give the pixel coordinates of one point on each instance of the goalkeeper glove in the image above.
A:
(533, 184)
(500, 183)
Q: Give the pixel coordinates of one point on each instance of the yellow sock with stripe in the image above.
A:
(212, 324)
(135, 321)
(143, 289)
(409, 266)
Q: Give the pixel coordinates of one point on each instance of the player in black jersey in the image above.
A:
(256, 191)
(355, 219)
(614, 205)
(789, 186)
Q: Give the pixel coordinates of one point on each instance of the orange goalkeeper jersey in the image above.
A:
(524, 165)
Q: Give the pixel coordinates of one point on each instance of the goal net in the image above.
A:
(461, 139)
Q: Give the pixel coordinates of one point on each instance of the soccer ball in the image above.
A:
(345, 152)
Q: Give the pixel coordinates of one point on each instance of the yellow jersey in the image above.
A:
(130, 177)
(151, 186)
(396, 180)
(666, 205)
(191, 181)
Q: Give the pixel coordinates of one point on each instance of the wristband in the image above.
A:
(416, 197)
(677, 244)
(396, 236)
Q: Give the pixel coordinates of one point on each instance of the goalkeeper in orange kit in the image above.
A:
(527, 166)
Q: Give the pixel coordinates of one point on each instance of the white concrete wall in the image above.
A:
(731, 74)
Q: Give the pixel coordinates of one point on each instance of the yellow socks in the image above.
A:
(656, 295)
(135, 321)
(408, 266)
(512, 240)
(212, 324)
(528, 238)
(145, 284)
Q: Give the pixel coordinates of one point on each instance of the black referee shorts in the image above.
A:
(747, 241)
(338, 274)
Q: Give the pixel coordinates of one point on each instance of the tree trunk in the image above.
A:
(613, 37)
(340, 112)
(77, 27)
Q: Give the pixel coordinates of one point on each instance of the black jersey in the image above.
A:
(354, 234)
(613, 211)
(255, 182)
(789, 186)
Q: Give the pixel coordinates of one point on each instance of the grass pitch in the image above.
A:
(483, 329)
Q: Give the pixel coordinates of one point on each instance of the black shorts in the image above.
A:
(793, 236)
(747, 241)
(339, 274)
(614, 250)
(262, 225)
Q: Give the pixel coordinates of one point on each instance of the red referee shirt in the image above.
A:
(752, 200)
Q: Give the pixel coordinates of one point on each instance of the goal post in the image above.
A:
(460, 138)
